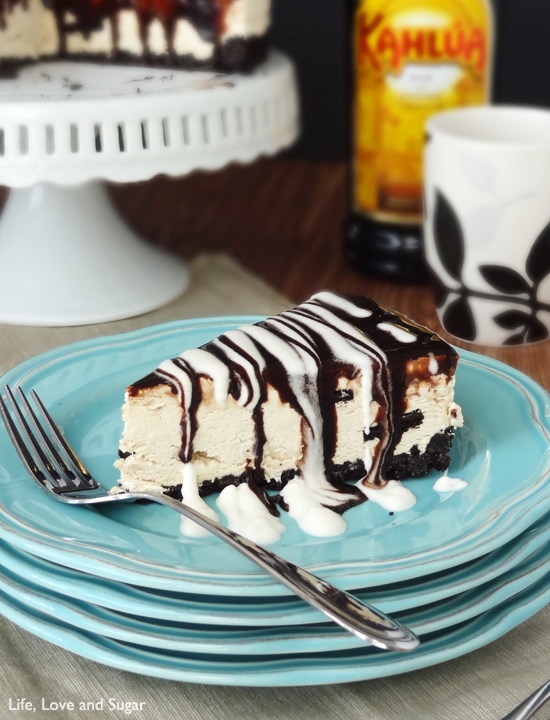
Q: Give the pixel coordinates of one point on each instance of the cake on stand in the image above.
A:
(66, 257)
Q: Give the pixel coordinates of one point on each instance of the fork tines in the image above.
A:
(41, 445)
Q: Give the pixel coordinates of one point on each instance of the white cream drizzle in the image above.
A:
(400, 334)
(241, 340)
(433, 365)
(249, 392)
(446, 484)
(393, 496)
(342, 303)
(184, 386)
(306, 506)
(208, 364)
(345, 351)
(300, 364)
(247, 515)
(190, 496)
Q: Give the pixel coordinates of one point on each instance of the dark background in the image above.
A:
(317, 35)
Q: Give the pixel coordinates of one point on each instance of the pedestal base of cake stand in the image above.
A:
(67, 258)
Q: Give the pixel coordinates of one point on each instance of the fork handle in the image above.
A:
(364, 621)
(530, 706)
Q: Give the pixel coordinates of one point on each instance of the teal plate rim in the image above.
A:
(83, 385)
(321, 668)
(218, 639)
(266, 611)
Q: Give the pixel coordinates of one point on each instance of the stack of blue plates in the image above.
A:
(120, 584)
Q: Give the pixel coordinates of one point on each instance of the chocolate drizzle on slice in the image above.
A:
(249, 384)
(303, 354)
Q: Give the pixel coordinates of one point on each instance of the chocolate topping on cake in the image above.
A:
(289, 352)
(323, 404)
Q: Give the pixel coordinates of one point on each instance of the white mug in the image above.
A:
(487, 222)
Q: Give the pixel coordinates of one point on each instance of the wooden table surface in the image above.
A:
(281, 218)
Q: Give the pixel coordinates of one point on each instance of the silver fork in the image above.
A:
(531, 705)
(56, 468)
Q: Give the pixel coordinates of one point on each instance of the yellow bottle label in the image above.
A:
(413, 58)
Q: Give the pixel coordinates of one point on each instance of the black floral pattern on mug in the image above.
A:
(509, 285)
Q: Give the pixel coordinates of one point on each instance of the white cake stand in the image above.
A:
(66, 257)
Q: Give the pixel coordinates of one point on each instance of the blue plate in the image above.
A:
(503, 453)
(273, 670)
(264, 612)
(185, 637)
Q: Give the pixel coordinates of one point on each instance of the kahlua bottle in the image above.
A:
(411, 59)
